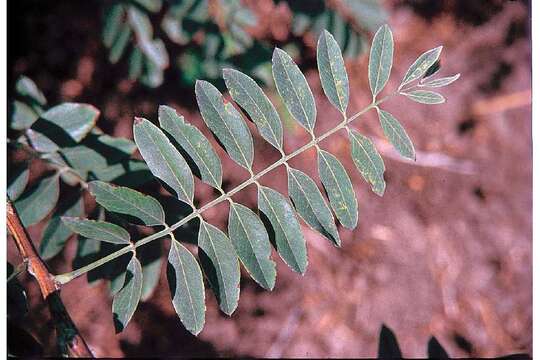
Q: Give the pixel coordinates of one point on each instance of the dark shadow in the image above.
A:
(435, 350)
(20, 343)
(388, 344)
(53, 133)
(463, 343)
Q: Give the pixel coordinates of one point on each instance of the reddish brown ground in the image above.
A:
(446, 251)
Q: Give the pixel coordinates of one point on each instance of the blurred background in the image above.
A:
(445, 252)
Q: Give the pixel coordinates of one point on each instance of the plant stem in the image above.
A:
(67, 277)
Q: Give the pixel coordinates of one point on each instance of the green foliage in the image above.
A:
(174, 151)
(210, 42)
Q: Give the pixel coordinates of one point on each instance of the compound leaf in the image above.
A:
(421, 65)
(252, 245)
(289, 240)
(126, 300)
(226, 123)
(186, 286)
(311, 206)
(220, 265)
(425, 97)
(164, 161)
(380, 59)
(194, 143)
(97, 230)
(246, 93)
(368, 161)
(339, 189)
(396, 134)
(127, 201)
(35, 204)
(293, 88)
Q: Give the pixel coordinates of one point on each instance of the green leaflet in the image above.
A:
(440, 82)
(311, 206)
(163, 159)
(194, 143)
(421, 65)
(22, 116)
(339, 189)
(226, 123)
(186, 286)
(246, 93)
(36, 203)
(368, 161)
(57, 233)
(220, 265)
(112, 24)
(380, 59)
(129, 202)
(98, 230)
(293, 88)
(289, 240)
(64, 124)
(425, 97)
(252, 245)
(332, 72)
(150, 5)
(17, 181)
(120, 44)
(396, 134)
(27, 88)
(129, 172)
(126, 300)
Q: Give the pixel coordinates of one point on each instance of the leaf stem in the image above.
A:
(67, 277)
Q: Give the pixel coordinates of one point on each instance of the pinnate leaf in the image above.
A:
(289, 240)
(339, 189)
(126, 300)
(293, 88)
(332, 72)
(380, 59)
(252, 245)
(164, 161)
(311, 206)
(98, 230)
(37, 202)
(246, 93)
(194, 143)
(226, 123)
(186, 286)
(396, 134)
(425, 97)
(220, 265)
(127, 201)
(421, 65)
(368, 161)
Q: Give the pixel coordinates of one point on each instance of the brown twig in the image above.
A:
(69, 340)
